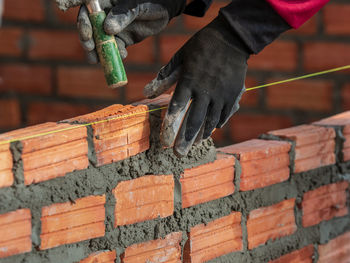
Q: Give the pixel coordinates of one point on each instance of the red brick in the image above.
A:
(101, 257)
(270, 223)
(142, 53)
(170, 44)
(20, 10)
(54, 44)
(263, 162)
(324, 203)
(10, 41)
(215, 239)
(26, 79)
(218, 136)
(280, 56)
(39, 112)
(137, 81)
(308, 95)
(326, 55)
(196, 23)
(245, 126)
(250, 98)
(144, 199)
(52, 155)
(10, 114)
(304, 255)
(6, 164)
(67, 223)
(309, 139)
(208, 182)
(309, 28)
(345, 97)
(336, 250)
(155, 251)
(16, 230)
(341, 119)
(123, 131)
(84, 82)
(336, 20)
(68, 17)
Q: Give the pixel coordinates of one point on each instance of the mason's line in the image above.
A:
(162, 108)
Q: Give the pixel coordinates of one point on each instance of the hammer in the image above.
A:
(106, 45)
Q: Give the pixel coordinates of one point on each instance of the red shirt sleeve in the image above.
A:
(297, 12)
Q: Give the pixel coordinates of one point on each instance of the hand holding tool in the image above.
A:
(106, 47)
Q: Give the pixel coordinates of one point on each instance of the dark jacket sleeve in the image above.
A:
(198, 7)
(255, 21)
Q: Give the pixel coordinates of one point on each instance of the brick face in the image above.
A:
(302, 95)
(280, 55)
(315, 146)
(19, 78)
(342, 120)
(157, 251)
(52, 155)
(10, 113)
(19, 10)
(10, 41)
(245, 126)
(263, 163)
(143, 199)
(304, 255)
(336, 19)
(55, 45)
(336, 250)
(37, 111)
(6, 165)
(84, 82)
(16, 230)
(67, 223)
(324, 203)
(119, 138)
(215, 239)
(101, 257)
(281, 223)
(170, 44)
(208, 182)
(326, 55)
(134, 90)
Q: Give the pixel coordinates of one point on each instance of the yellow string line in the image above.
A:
(162, 108)
(301, 77)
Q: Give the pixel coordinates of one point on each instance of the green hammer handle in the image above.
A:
(108, 52)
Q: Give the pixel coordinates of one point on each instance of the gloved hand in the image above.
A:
(131, 21)
(210, 72)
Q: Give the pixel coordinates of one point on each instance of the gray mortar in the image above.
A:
(17, 169)
(101, 180)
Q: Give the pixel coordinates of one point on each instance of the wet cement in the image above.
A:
(101, 180)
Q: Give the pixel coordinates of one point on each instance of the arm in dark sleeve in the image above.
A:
(198, 7)
(259, 22)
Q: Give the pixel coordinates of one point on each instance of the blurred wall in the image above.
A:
(45, 76)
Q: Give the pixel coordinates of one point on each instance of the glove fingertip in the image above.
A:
(112, 26)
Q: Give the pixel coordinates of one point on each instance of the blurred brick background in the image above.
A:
(45, 76)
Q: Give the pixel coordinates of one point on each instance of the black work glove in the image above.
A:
(210, 71)
(131, 21)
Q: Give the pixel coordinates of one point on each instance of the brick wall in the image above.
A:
(45, 76)
(110, 193)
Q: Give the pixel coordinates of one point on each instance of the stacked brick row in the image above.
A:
(238, 169)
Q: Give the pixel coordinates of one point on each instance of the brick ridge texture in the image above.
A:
(110, 193)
